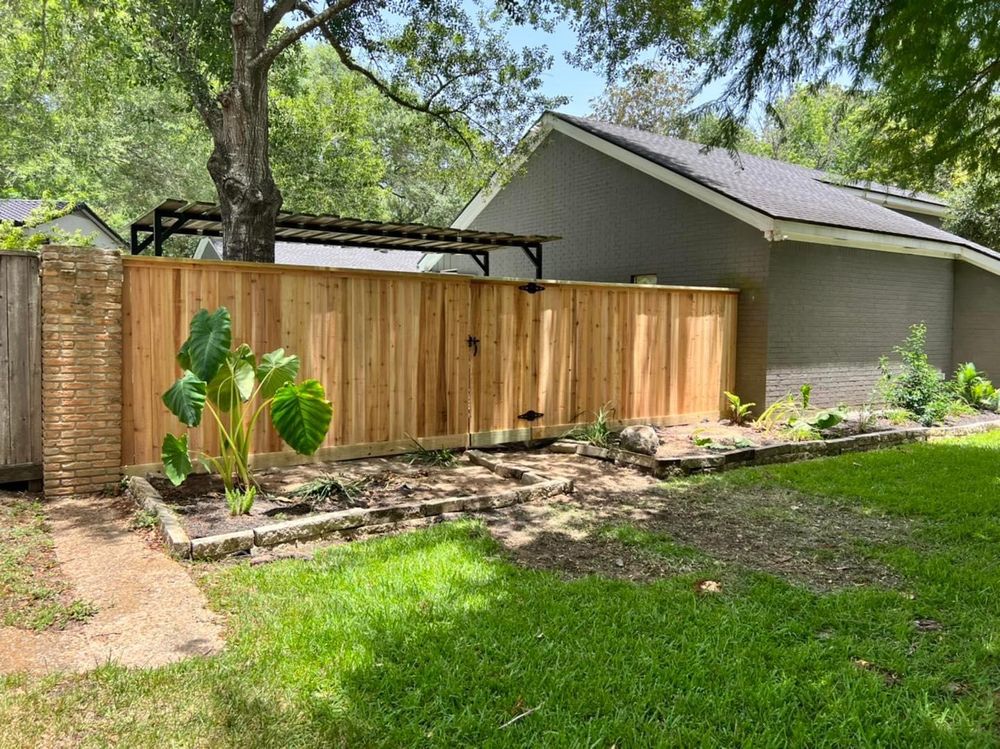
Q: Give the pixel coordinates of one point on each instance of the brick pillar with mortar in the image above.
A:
(81, 369)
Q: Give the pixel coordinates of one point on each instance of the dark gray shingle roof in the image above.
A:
(774, 188)
(17, 210)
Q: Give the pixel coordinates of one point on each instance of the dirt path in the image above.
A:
(149, 610)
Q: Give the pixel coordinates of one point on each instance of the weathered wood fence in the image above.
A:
(449, 360)
(20, 368)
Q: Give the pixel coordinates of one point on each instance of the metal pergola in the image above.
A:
(205, 219)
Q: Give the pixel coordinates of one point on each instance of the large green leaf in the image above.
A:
(208, 343)
(234, 381)
(176, 461)
(276, 370)
(301, 414)
(186, 398)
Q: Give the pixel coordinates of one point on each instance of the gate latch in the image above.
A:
(532, 288)
(473, 343)
(530, 415)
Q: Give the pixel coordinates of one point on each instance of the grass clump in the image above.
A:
(33, 595)
(597, 432)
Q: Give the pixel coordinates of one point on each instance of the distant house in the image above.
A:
(325, 256)
(22, 212)
(832, 275)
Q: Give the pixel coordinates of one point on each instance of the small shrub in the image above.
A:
(795, 419)
(598, 432)
(918, 387)
(973, 388)
(739, 409)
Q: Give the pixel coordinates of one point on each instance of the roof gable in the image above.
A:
(774, 188)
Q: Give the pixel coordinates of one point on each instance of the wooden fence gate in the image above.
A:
(20, 368)
(449, 360)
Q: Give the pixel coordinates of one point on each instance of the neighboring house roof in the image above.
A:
(785, 201)
(327, 256)
(20, 210)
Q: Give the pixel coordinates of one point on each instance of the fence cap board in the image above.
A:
(443, 277)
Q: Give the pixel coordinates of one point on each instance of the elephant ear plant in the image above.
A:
(236, 390)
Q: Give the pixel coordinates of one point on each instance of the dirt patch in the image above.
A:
(807, 541)
(373, 482)
(149, 611)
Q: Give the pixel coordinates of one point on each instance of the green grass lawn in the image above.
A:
(434, 639)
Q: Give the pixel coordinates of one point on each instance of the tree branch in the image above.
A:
(274, 14)
(313, 21)
(424, 107)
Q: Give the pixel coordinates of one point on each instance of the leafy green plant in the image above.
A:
(918, 386)
(598, 432)
(740, 410)
(973, 388)
(328, 487)
(796, 420)
(237, 390)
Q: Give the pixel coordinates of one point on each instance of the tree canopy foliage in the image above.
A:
(931, 69)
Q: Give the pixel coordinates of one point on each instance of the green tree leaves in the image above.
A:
(301, 414)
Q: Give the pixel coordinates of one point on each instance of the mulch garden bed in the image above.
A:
(373, 482)
(679, 441)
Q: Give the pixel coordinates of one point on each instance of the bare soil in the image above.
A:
(815, 543)
(679, 441)
(380, 482)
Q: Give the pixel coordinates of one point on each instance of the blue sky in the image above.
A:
(564, 79)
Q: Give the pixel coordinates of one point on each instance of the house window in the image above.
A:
(648, 279)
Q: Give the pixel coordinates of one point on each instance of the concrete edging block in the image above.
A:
(782, 452)
(174, 536)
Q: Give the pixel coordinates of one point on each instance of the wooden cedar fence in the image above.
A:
(20, 368)
(449, 360)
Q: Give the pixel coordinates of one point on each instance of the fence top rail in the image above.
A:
(235, 265)
(19, 253)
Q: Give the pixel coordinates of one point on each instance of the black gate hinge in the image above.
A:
(530, 415)
(532, 288)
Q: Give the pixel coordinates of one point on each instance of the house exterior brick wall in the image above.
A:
(81, 369)
(616, 222)
(836, 310)
(976, 337)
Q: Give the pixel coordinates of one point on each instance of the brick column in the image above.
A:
(81, 369)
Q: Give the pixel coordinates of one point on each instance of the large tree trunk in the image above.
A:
(239, 164)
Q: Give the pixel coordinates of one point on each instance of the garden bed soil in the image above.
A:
(200, 501)
(678, 441)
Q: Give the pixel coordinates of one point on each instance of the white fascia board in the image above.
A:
(797, 231)
(978, 259)
(896, 202)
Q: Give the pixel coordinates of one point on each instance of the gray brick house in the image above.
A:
(831, 275)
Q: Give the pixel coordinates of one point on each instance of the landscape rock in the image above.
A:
(640, 439)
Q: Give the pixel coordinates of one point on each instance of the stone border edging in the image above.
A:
(174, 536)
(180, 545)
(783, 452)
